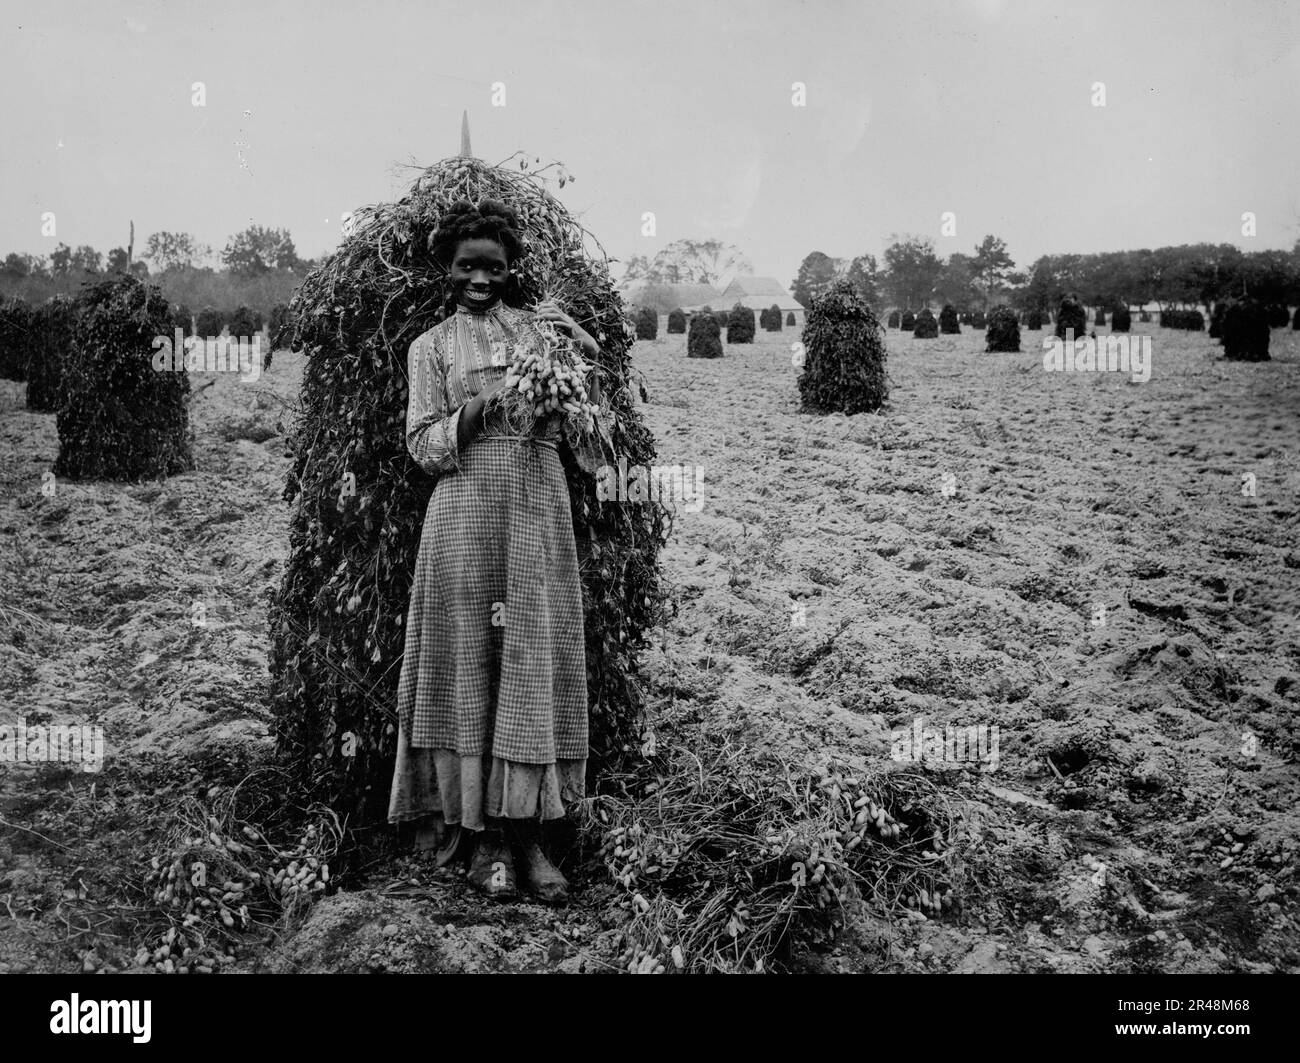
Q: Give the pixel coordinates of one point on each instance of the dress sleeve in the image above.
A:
(431, 425)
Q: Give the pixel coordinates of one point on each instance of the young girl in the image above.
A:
(492, 699)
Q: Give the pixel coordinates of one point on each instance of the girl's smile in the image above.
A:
(479, 273)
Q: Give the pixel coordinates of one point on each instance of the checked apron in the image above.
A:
(492, 698)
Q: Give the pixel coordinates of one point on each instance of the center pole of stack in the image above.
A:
(464, 135)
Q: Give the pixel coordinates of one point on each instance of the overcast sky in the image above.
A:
(680, 107)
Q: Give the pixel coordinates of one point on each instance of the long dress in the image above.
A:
(492, 698)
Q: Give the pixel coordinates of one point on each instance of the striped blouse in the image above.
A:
(450, 364)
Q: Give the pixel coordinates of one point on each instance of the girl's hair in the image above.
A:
(490, 220)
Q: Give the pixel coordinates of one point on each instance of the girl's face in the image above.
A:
(479, 273)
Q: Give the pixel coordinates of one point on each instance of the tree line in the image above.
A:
(914, 276)
(259, 267)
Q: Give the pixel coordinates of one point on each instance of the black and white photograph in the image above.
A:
(636, 488)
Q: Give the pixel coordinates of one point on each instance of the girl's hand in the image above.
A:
(495, 386)
(485, 396)
(548, 311)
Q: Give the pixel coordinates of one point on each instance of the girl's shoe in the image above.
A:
(541, 877)
(429, 836)
(492, 871)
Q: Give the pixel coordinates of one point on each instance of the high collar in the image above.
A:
(471, 312)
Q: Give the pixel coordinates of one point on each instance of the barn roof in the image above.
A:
(758, 293)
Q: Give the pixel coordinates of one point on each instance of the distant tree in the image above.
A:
(1208, 273)
(816, 274)
(166, 250)
(17, 266)
(258, 250)
(67, 262)
(1043, 289)
(637, 268)
(696, 262)
(1270, 277)
(1095, 279)
(117, 264)
(912, 270)
(1154, 272)
(1071, 274)
(61, 260)
(85, 259)
(991, 266)
(864, 274)
(1015, 283)
(773, 318)
(956, 282)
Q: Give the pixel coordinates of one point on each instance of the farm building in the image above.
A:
(756, 293)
